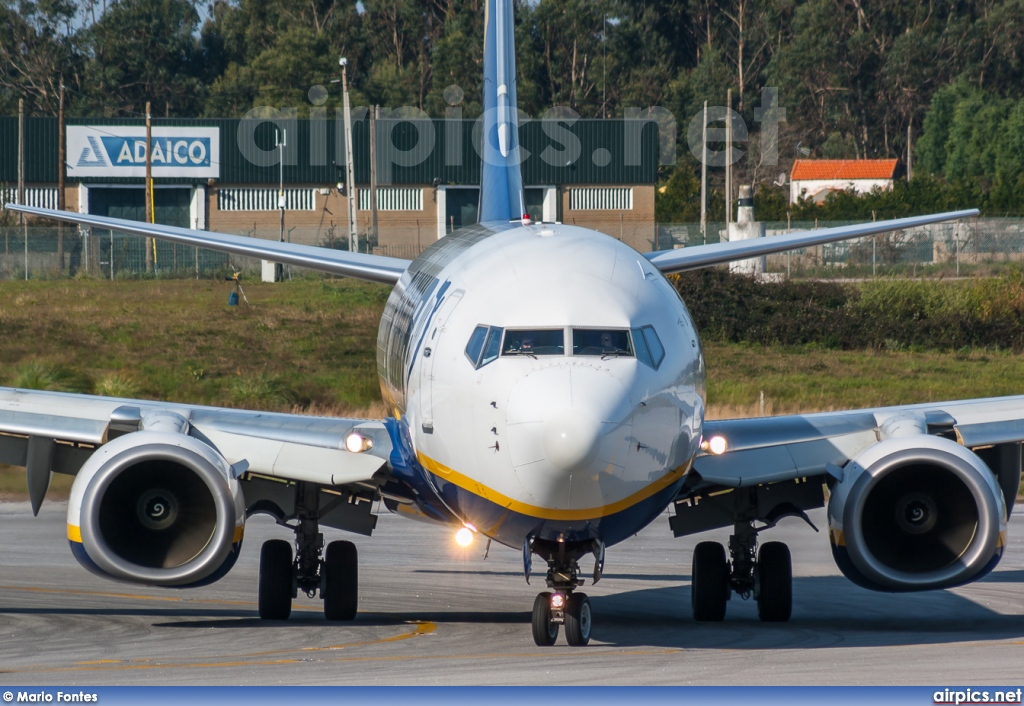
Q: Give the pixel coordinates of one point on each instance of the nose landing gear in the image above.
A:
(563, 605)
(552, 610)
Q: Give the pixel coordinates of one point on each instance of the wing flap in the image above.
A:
(89, 431)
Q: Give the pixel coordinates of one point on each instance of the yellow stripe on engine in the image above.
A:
(239, 531)
(75, 533)
(545, 513)
(1001, 541)
(838, 538)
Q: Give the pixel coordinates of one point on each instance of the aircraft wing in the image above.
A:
(672, 261)
(771, 449)
(373, 268)
(52, 431)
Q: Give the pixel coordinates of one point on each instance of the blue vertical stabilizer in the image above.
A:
(501, 182)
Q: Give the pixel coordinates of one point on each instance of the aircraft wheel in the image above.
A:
(275, 583)
(775, 579)
(545, 632)
(341, 581)
(577, 619)
(709, 582)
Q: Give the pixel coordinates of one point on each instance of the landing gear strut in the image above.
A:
(563, 605)
(333, 573)
(765, 574)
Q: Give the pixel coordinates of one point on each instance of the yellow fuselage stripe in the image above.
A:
(545, 513)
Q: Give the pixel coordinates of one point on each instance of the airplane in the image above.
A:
(545, 387)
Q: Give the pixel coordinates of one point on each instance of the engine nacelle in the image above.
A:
(156, 508)
(916, 513)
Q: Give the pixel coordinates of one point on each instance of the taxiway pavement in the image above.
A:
(432, 613)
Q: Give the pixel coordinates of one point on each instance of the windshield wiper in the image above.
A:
(520, 352)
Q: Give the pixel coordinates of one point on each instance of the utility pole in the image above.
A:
(350, 179)
(704, 178)
(150, 244)
(373, 171)
(62, 159)
(728, 157)
(281, 140)
(21, 175)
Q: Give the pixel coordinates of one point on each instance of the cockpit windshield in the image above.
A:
(483, 345)
(534, 342)
(602, 342)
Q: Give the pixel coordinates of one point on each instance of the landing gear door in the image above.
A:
(432, 350)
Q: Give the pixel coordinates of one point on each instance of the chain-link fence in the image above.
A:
(37, 253)
(974, 247)
(971, 247)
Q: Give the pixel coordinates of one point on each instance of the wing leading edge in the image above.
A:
(773, 449)
(373, 268)
(672, 261)
(289, 447)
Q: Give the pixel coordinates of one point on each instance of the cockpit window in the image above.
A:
(602, 342)
(534, 342)
(648, 346)
(492, 346)
(476, 344)
(483, 346)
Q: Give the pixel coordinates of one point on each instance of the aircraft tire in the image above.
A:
(709, 582)
(275, 582)
(577, 619)
(775, 574)
(545, 632)
(341, 581)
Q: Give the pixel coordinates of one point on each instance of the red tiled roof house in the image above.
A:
(815, 178)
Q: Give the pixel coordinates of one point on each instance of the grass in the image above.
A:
(309, 343)
(309, 346)
(809, 379)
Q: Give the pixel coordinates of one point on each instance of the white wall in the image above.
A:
(808, 188)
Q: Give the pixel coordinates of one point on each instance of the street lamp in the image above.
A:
(353, 237)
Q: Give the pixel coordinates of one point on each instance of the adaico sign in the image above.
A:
(120, 151)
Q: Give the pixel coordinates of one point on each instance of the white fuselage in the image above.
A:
(566, 444)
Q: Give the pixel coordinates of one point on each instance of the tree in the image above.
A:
(144, 50)
(38, 50)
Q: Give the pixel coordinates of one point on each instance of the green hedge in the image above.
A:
(937, 315)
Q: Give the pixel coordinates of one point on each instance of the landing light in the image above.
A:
(557, 601)
(464, 537)
(715, 445)
(357, 443)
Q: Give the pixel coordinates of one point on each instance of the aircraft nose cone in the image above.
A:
(571, 439)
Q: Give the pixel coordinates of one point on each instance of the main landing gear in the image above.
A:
(563, 605)
(765, 574)
(334, 573)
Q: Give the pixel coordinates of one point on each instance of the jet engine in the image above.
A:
(915, 513)
(156, 508)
